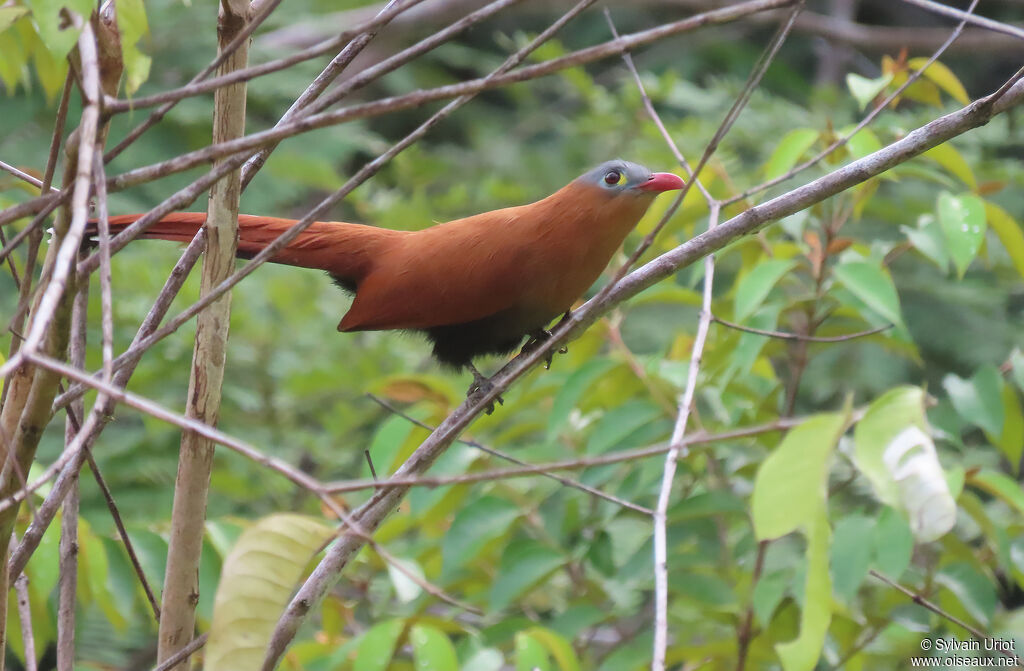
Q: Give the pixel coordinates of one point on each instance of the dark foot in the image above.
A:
(482, 385)
(538, 338)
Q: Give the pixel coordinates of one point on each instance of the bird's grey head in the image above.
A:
(621, 177)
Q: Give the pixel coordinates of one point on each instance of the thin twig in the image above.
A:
(781, 335)
(28, 639)
(527, 469)
(24, 176)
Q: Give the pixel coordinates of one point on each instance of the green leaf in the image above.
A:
(619, 423)
(851, 556)
(863, 143)
(1009, 234)
(1011, 440)
(8, 15)
(928, 239)
(753, 287)
(559, 648)
(406, 589)
(376, 647)
(972, 589)
(257, 580)
(802, 653)
(789, 489)
(892, 448)
(949, 158)
(431, 649)
(1017, 366)
(893, 543)
(570, 393)
(476, 524)
(768, 594)
(872, 284)
(865, 90)
(979, 401)
(788, 151)
(530, 654)
(942, 77)
(56, 34)
(1001, 486)
(524, 565)
(962, 219)
(131, 21)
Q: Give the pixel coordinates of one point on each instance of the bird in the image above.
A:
(474, 286)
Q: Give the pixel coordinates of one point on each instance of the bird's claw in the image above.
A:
(482, 385)
(538, 338)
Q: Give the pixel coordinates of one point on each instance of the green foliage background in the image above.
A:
(565, 579)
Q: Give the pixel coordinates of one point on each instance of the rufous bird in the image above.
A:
(474, 286)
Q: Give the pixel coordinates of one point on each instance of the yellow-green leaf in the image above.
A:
(943, 77)
(953, 161)
(8, 15)
(1009, 234)
(257, 580)
(788, 151)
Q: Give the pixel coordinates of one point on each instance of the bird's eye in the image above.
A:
(612, 178)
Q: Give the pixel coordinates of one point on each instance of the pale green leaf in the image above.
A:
(863, 143)
(872, 284)
(57, 35)
(569, 394)
(802, 653)
(788, 151)
(406, 588)
(1009, 234)
(257, 580)
(927, 238)
(973, 590)
(978, 400)
(851, 556)
(431, 649)
(376, 647)
(789, 489)
(754, 286)
(893, 543)
(999, 485)
(962, 219)
(1017, 366)
(476, 524)
(530, 654)
(8, 15)
(865, 90)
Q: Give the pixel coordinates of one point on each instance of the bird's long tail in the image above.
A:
(344, 250)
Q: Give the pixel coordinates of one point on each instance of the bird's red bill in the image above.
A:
(662, 181)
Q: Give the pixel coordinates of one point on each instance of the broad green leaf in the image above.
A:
(942, 77)
(972, 589)
(1011, 440)
(851, 556)
(788, 151)
(962, 219)
(257, 580)
(619, 423)
(131, 21)
(789, 488)
(768, 594)
(559, 648)
(8, 15)
(476, 524)
(978, 400)
(753, 287)
(872, 284)
(892, 448)
(863, 143)
(376, 647)
(1009, 234)
(57, 36)
(570, 393)
(523, 565)
(1017, 366)
(928, 239)
(802, 653)
(431, 649)
(949, 158)
(12, 65)
(1001, 486)
(485, 659)
(865, 90)
(530, 654)
(893, 543)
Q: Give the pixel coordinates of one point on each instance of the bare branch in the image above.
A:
(799, 336)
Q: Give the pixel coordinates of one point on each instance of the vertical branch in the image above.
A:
(68, 581)
(181, 588)
(28, 639)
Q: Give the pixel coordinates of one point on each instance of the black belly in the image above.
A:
(456, 345)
